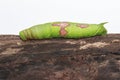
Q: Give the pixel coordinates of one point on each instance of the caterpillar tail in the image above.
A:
(102, 24)
(101, 29)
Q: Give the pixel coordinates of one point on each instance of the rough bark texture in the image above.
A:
(96, 58)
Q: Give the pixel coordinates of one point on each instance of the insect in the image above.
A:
(63, 29)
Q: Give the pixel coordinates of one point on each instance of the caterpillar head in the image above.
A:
(22, 35)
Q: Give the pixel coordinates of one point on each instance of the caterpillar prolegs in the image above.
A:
(63, 29)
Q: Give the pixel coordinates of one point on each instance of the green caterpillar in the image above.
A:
(63, 29)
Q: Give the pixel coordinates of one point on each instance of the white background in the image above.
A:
(16, 15)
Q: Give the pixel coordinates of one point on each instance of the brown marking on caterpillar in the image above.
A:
(63, 32)
(82, 25)
(62, 26)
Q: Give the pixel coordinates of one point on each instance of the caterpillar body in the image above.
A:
(63, 29)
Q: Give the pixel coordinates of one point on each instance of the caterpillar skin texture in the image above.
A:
(63, 29)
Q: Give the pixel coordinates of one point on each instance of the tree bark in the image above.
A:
(95, 58)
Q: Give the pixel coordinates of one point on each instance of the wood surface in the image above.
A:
(95, 58)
